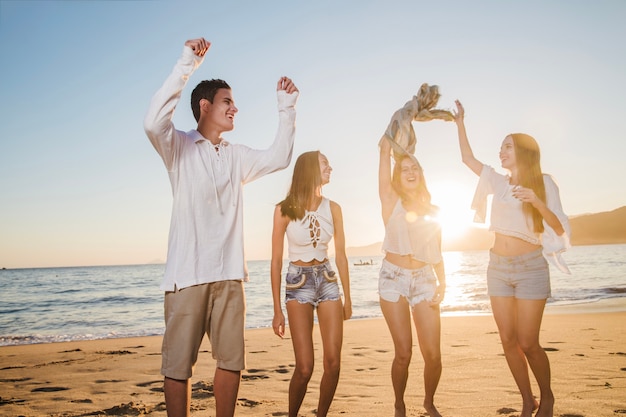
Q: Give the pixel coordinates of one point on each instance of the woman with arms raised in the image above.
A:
(412, 278)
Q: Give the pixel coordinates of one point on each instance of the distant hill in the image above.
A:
(588, 229)
(599, 228)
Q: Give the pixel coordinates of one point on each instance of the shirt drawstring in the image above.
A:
(212, 170)
(217, 200)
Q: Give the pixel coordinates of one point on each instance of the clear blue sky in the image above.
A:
(81, 185)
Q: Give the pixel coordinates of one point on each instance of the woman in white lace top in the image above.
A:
(310, 221)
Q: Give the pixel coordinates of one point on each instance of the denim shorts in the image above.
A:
(311, 284)
(525, 276)
(416, 285)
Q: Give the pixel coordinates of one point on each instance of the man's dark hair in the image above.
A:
(206, 89)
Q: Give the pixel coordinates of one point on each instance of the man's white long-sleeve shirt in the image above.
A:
(206, 230)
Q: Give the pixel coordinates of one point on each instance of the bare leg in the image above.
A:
(225, 387)
(177, 397)
(506, 316)
(330, 317)
(428, 326)
(528, 336)
(301, 330)
(398, 318)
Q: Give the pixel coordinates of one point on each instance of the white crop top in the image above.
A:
(308, 237)
(409, 234)
(507, 217)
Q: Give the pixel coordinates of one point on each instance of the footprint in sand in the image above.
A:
(506, 410)
(147, 384)
(253, 377)
(49, 389)
(244, 402)
(4, 401)
(13, 380)
(85, 401)
(116, 352)
(158, 388)
(201, 390)
(129, 409)
(282, 369)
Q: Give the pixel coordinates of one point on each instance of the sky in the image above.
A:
(81, 185)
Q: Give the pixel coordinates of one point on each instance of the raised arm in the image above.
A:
(276, 267)
(341, 259)
(388, 196)
(278, 156)
(466, 150)
(158, 120)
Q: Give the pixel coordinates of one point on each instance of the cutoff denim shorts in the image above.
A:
(311, 284)
(416, 285)
(526, 276)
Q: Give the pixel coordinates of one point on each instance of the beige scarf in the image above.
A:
(400, 131)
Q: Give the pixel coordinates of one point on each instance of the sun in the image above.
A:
(455, 214)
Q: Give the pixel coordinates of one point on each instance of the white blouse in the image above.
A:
(507, 217)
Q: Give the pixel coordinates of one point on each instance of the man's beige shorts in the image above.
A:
(217, 309)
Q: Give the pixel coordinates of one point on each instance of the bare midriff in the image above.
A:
(404, 261)
(511, 246)
(310, 263)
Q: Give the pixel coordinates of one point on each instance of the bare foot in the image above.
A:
(431, 410)
(546, 408)
(527, 409)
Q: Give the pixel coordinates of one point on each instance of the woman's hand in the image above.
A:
(439, 294)
(525, 195)
(459, 114)
(278, 324)
(347, 309)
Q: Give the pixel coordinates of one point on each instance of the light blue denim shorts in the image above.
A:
(526, 276)
(311, 284)
(416, 285)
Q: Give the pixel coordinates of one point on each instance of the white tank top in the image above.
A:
(409, 234)
(308, 237)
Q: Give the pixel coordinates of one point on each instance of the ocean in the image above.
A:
(44, 305)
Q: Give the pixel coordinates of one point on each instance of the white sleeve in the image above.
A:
(483, 189)
(256, 163)
(553, 244)
(158, 120)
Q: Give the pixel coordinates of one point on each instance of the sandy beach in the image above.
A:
(121, 376)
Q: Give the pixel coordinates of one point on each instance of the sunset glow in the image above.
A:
(454, 202)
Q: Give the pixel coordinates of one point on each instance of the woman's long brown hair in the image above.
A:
(304, 182)
(527, 157)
